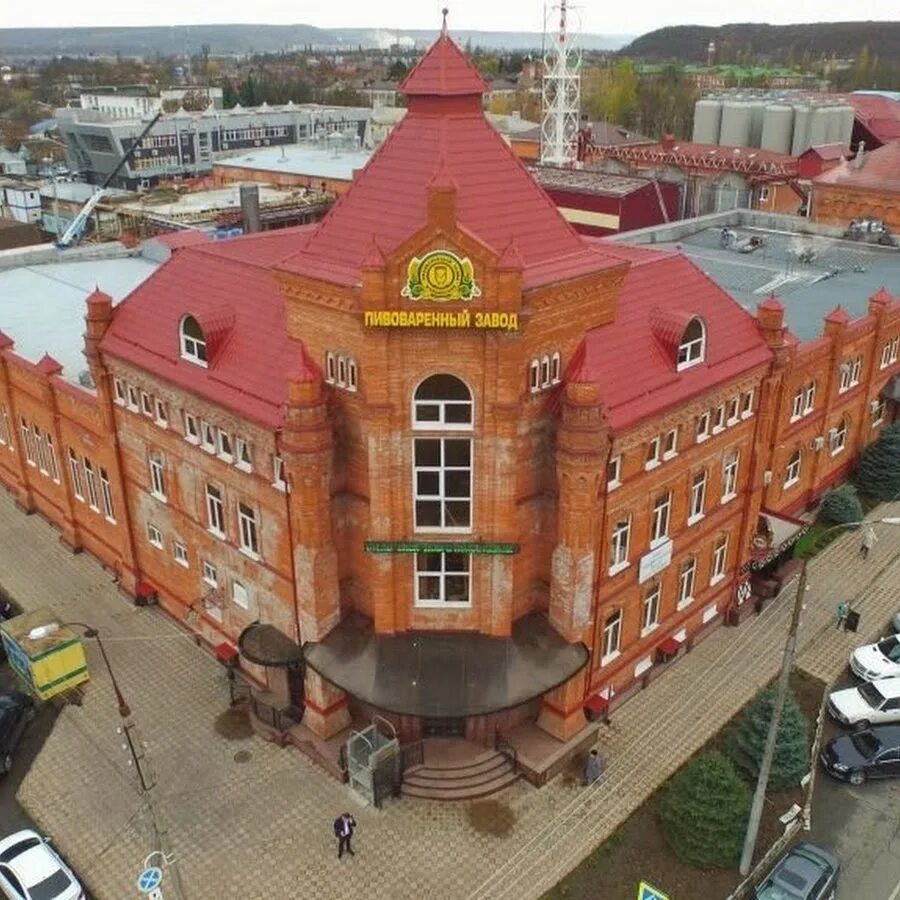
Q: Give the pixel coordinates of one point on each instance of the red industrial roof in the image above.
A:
(445, 135)
(876, 170)
(661, 290)
(879, 115)
(827, 151)
(229, 288)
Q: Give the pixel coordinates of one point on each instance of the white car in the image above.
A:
(873, 703)
(881, 660)
(31, 870)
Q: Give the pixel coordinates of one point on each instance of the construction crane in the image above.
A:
(73, 234)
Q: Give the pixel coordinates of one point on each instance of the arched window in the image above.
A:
(838, 437)
(193, 342)
(692, 348)
(442, 402)
(792, 473)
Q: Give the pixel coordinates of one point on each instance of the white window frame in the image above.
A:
(443, 574)
(243, 459)
(747, 404)
(534, 376)
(191, 428)
(208, 439)
(697, 508)
(109, 510)
(157, 477)
(162, 415)
(877, 412)
(279, 482)
(660, 519)
(719, 423)
(180, 553)
(614, 469)
(650, 608)
(330, 368)
(890, 352)
(352, 375)
(40, 450)
(619, 545)
(730, 465)
(545, 371)
(154, 536)
(612, 637)
(240, 596)
(794, 466)
(193, 349)
(146, 404)
(797, 405)
(91, 481)
(210, 574)
(248, 529)
(837, 438)
(686, 582)
(224, 447)
(5, 436)
(76, 475)
(555, 368)
(691, 352)
(670, 445)
(441, 423)
(28, 442)
(702, 429)
(653, 450)
(119, 393)
(215, 511)
(442, 497)
(133, 399)
(719, 560)
(51, 458)
(734, 410)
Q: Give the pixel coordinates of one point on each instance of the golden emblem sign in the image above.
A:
(440, 275)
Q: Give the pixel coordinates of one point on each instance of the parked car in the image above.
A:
(872, 753)
(31, 870)
(880, 660)
(895, 622)
(805, 872)
(16, 710)
(871, 703)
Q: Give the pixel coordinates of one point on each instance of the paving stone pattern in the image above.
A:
(261, 828)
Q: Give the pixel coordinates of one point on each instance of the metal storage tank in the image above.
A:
(802, 117)
(778, 128)
(818, 126)
(707, 121)
(846, 116)
(757, 118)
(735, 131)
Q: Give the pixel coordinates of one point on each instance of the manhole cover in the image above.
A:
(243, 756)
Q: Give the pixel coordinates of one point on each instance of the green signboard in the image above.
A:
(477, 548)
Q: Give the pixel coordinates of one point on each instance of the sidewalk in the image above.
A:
(261, 826)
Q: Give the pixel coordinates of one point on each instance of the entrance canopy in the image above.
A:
(265, 645)
(439, 675)
(775, 533)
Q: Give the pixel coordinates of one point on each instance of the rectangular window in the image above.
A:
(330, 368)
(162, 414)
(243, 459)
(248, 529)
(279, 481)
(154, 536)
(207, 437)
(191, 428)
(443, 579)
(733, 406)
(650, 612)
(686, 582)
(890, 352)
(612, 637)
(215, 511)
(720, 418)
(878, 407)
(75, 472)
(698, 497)
(225, 452)
(747, 404)
(792, 473)
(146, 404)
(40, 451)
(52, 460)
(28, 442)
(797, 405)
(555, 368)
(659, 529)
(613, 473)
(850, 371)
(239, 595)
(106, 495)
(652, 459)
(729, 476)
(443, 484)
(210, 576)
(719, 560)
(132, 398)
(671, 446)
(91, 480)
(545, 371)
(809, 398)
(5, 434)
(837, 437)
(180, 553)
(618, 557)
(157, 477)
(702, 427)
(352, 375)
(119, 391)
(534, 376)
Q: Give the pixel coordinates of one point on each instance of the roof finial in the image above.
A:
(444, 12)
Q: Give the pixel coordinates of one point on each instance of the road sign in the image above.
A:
(149, 880)
(648, 892)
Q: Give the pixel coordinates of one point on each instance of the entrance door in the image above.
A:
(444, 728)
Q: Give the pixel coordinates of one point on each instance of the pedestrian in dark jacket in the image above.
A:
(343, 831)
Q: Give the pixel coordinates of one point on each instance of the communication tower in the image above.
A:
(561, 95)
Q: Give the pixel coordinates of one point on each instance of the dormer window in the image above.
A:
(193, 342)
(692, 348)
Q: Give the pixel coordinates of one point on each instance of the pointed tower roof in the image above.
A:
(443, 71)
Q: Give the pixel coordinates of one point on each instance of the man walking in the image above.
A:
(593, 768)
(868, 541)
(343, 831)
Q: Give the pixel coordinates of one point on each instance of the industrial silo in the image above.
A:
(707, 121)
(846, 116)
(818, 125)
(757, 119)
(802, 117)
(735, 131)
(778, 128)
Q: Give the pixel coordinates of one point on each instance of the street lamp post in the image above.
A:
(787, 663)
(138, 758)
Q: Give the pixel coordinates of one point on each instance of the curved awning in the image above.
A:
(439, 675)
(265, 645)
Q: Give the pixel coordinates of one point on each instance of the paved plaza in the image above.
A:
(250, 820)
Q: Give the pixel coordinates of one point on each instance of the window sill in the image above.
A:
(156, 546)
(727, 498)
(748, 413)
(716, 579)
(671, 454)
(280, 486)
(693, 520)
(93, 508)
(183, 563)
(837, 451)
(612, 485)
(649, 629)
(131, 407)
(226, 458)
(192, 440)
(207, 449)
(216, 533)
(793, 419)
(161, 497)
(653, 464)
(110, 519)
(249, 554)
(684, 604)
(213, 584)
(160, 423)
(733, 421)
(119, 402)
(441, 604)
(31, 463)
(791, 482)
(619, 567)
(244, 467)
(703, 437)
(718, 429)
(658, 542)
(606, 660)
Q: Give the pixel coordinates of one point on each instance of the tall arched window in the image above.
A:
(792, 473)
(442, 402)
(193, 342)
(692, 347)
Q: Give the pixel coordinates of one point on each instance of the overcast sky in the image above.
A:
(489, 15)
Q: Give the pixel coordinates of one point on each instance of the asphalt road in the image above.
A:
(861, 826)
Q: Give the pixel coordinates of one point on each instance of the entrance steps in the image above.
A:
(457, 770)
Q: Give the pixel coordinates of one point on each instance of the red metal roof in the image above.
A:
(879, 115)
(708, 157)
(633, 360)
(879, 170)
(445, 136)
(229, 288)
(827, 151)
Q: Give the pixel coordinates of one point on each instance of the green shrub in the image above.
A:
(746, 742)
(704, 811)
(841, 506)
(878, 470)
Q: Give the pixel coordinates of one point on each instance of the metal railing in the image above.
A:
(502, 745)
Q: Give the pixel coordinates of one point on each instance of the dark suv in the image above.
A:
(16, 709)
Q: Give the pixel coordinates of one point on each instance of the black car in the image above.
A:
(806, 872)
(872, 753)
(16, 709)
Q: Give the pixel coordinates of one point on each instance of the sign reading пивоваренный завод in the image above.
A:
(394, 318)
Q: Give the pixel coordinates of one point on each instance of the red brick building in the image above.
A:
(485, 470)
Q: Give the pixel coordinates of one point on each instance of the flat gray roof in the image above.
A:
(42, 306)
(839, 272)
(301, 159)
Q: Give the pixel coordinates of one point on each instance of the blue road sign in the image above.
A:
(149, 880)
(648, 892)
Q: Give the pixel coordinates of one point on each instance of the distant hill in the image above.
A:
(24, 43)
(688, 43)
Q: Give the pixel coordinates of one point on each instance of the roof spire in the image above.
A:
(444, 12)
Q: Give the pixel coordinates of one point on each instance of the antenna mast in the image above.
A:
(561, 96)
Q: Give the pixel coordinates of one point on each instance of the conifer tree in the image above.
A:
(841, 506)
(878, 471)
